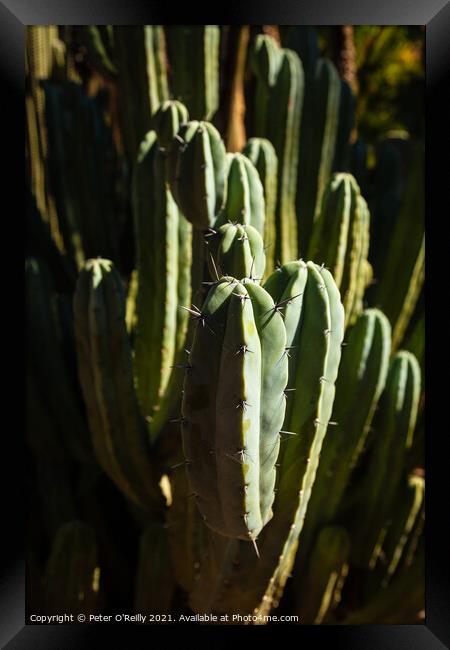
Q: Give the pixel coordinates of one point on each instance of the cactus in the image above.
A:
(393, 429)
(340, 239)
(405, 515)
(327, 562)
(265, 59)
(346, 124)
(99, 43)
(400, 279)
(262, 154)
(244, 202)
(72, 574)
(233, 407)
(236, 251)
(104, 355)
(167, 120)
(277, 114)
(163, 285)
(361, 380)
(313, 316)
(193, 52)
(196, 173)
(154, 577)
(139, 55)
(317, 145)
(53, 400)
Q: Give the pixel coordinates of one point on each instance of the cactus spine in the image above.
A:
(104, 356)
(393, 431)
(194, 60)
(237, 251)
(230, 426)
(262, 154)
(163, 285)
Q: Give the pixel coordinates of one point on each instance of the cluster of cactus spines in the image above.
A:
(400, 277)
(72, 577)
(393, 430)
(277, 114)
(155, 569)
(139, 52)
(328, 559)
(236, 251)
(193, 52)
(58, 414)
(233, 407)
(361, 380)
(167, 120)
(320, 118)
(197, 173)
(244, 201)
(404, 517)
(163, 281)
(119, 435)
(261, 153)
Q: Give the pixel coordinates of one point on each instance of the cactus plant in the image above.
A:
(236, 251)
(118, 431)
(233, 407)
(196, 172)
(277, 113)
(244, 201)
(261, 153)
(318, 133)
(139, 55)
(193, 52)
(313, 316)
(164, 284)
(72, 575)
(393, 430)
(328, 559)
(360, 383)
(167, 120)
(405, 259)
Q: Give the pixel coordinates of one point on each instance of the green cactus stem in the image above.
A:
(72, 577)
(118, 431)
(236, 251)
(193, 52)
(154, 578)
(233, 407)
(164, 251)
(196, 173)
(262, 154)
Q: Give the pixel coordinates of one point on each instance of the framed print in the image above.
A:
(225, 420)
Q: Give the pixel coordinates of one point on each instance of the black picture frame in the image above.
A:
(15, 15)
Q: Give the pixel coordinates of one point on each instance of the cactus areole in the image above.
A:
(233, 407)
